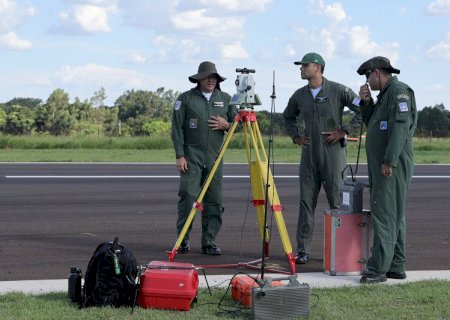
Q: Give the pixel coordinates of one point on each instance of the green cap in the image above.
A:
(311, 57)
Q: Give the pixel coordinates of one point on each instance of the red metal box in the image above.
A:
(347, 239)
(168, 285)
(241, 288)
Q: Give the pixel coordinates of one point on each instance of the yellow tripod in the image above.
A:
(260, 175)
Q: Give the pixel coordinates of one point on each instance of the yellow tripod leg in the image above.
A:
(197, 204)
(261, 176)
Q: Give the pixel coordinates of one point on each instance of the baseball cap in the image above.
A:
(311, 57)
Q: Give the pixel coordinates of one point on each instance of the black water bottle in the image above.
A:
(74, 291)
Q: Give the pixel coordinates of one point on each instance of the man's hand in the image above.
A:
(218, 123)
(182, 164)
(365, 94)
(334, 136)
(386, 170)
(301, 141)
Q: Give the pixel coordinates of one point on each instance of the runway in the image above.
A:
(53, 215)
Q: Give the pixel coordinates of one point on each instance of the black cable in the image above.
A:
(266, 191)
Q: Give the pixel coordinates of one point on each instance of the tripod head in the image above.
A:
(245, 96)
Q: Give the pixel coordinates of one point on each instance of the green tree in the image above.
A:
(20, 120)
(82, 110)
(54, 116)
(112, 124)
(136, 108)
(99, 97)
(2, 118)
(434, 121)
(31, 103)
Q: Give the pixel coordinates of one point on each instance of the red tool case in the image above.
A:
(168, 285)
(347, 239)
(241, 288)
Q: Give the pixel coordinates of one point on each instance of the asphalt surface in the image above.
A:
(54, 215)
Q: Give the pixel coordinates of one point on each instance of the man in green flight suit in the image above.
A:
(200, 118)
(391, 122)
(313, 119)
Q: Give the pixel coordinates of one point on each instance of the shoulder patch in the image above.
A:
(403, 106)
(177, 105)
(347, 89)
(403, 96)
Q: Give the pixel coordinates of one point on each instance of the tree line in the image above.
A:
(143, 113)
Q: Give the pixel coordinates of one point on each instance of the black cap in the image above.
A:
(377, 63)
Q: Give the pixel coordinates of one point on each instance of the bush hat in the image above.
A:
(377, 63)
(311, 57)
(205, 69)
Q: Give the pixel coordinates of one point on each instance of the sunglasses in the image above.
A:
(368, 72)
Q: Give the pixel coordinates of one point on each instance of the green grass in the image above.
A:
(417, 300)
(159, 149)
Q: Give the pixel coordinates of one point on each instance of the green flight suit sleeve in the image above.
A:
(402, 109)
(355, 123)
(290, 115)
(231, 109)
(178, 122)
(366, 112)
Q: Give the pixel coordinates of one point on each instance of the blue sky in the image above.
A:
(83, 45)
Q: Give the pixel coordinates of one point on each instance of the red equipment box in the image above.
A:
(241, 288)
(347, 239)
(168, 285)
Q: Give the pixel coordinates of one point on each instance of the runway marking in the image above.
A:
(175, 177)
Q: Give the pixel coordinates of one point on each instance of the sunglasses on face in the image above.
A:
(368, 72)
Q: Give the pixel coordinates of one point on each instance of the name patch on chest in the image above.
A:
(321, 99)
(218, 104)
(193, 123)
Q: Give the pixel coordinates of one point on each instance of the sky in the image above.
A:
(81, 46)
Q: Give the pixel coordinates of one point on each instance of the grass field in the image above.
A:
(413, 301)
(159, 149)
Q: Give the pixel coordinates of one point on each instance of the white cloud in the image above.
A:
(10, 40)
(137, 58)
(335, 11)
(435, 88)
(202, 23)
(94, 76)
(361, 45)
(289, 50)
(234, 51)
(439, 51)
(360, 42)
(439, 7)
(169, 49)
(86, 18)
(12, 14)
(238, 5)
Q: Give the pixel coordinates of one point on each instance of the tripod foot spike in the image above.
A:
(291, 259)
(172, 254)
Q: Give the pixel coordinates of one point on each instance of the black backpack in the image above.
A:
(110, 276)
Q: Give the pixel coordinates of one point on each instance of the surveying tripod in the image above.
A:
(260, 174)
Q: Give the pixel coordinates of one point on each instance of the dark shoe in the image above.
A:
(184, 247)
(302, 258)
(373, 278)
(211, 250)
(396, 275)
